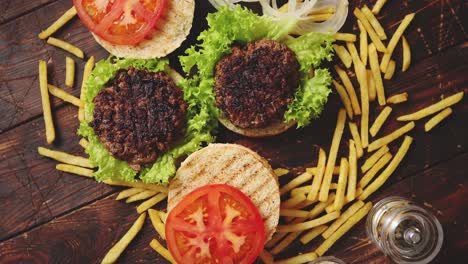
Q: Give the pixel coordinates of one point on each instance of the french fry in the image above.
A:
(380, 120)
(397, 98)
(325, 187)
(266, 257)
(394, 41)
(141, 196)
(88, 68)
(378, 6)
(369, 163)
(336, 170)
(303, 204)
(151, 202)
(352, 177)
(128, 192)
(294, 213)
(157, 223)
(343, 54)
(362, 43)
(341, 189)
(137, 184)
(449, 101)
(371, 86)
(66, 46)
(357, 138)
(57, 92)
(75, 170)
(317, 181)
(354, 54)
(114, 253)
(293, 201)
(374, 64)
(350, 89)
(303, 190)
(372, 34)
(375, 169)
(163, 216)
(281, 171)
(65, 157)
(390, 70)
(348, 37)
(154, 244)
(344, 98)
(374, 22)
(333, 186)
(434, 121)
(362, 77)
(84, 143)
(382, 178)
(69, 71)
(303, 258)
(342, 219)
(46, 109)
(69, 14)
(306, 176)
(406, 54)
(285, 243)
(353, 220)
(309, 224)
(391, 137)
(313, 233)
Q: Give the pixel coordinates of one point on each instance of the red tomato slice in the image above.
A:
(121, 22)
(215, 224)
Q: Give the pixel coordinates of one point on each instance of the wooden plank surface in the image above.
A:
(85, 235)
(32, 193)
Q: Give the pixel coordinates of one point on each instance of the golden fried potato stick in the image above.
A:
(380, 120)
(128, 192)
(374, 64)
(391, 137)
(66, 46)
(157, 223)
(69, 14)
(357, 138)
(375, 169)
(398, 98)
(291, 237)
(362, 78)
(281, 171)
(75, 170)
(84, 143)
(69, 71)
(341, 189)
(352, 221)
(382, 178)
(304, 177)
(378, 6)
(317, 180)
(65, 157)
(350, 89)
(394, 41)
(441, 105)
(371, 86)
(372, 34)
(151, 202)
(434, 121)
(390, 70)
(59, 93)
(324, 189)
(343, 54)
(137, 184)
(309, 224)
(342, 219)
(154, 244)
(121, 245)
(406, 54)
(141, 196)
(313, 233)
(352, 176)
(46, 109)
(347, 37)
(88, 68)
(374, 22)
(363, 43)
(344, 98)
(369, 163)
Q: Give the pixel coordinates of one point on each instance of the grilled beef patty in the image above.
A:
(138, 115)
(255, 84)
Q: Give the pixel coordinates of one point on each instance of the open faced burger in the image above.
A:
(261, 79)
(140, 118)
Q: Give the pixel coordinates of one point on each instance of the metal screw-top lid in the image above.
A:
(327, 260)
(405, 232)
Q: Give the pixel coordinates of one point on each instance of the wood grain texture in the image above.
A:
(33, 193)
(85, 235)
(14, 9)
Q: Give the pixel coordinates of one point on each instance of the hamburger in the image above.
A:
(138, 29)
(261, 79)
(141, 118)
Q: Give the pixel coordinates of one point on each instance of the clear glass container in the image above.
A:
(327, 260)
(405, 232)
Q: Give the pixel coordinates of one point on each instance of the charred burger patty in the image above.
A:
(138, 115)
(255, 84)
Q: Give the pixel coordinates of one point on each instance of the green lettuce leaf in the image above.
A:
(241, 25)
(201, 120)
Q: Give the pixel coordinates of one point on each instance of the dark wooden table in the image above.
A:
(47, 216)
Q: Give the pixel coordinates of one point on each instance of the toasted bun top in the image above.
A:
(171, 30)
(234, 165)
(271, 130)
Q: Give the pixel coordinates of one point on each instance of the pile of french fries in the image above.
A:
(314, 203)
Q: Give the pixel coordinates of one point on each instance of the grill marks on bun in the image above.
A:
(234, 165)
